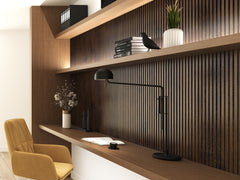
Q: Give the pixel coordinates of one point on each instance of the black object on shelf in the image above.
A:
(86, 122)
(72, 15)
(150, 44)
(83, 120)
(88, 129)
(104, 3)
(105, 74)
(83, 128)
(113, 145)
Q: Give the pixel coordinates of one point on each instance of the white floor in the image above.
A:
(6, 170)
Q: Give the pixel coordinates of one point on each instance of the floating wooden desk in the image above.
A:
(139, 159)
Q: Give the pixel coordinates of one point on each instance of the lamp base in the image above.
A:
(167, 157)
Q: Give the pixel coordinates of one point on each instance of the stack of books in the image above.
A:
(129, 46)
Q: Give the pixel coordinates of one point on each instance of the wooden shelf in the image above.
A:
(139, 159)
(102, 16)
(220, 43)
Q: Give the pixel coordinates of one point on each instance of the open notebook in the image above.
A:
(101, 140)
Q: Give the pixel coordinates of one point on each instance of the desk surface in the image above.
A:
(139, 159)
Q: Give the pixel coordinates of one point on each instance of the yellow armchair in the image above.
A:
(35, 161)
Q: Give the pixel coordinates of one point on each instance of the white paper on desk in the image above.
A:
(101, 140)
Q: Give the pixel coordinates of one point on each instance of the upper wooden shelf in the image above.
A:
(220, 43)
(102, 16)
(139, 159)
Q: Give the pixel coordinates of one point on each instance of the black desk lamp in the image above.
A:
(105, 74)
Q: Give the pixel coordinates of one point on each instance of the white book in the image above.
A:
(68, 14)
(102, 140)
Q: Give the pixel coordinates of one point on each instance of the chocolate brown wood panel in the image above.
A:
(203, 90)
(54, 20)
(48, 55)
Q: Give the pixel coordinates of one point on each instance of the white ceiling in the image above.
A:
(14, 14)
(93, 5)
(60, 2)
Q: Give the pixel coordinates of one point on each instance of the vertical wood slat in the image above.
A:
(214, 108)
(203, 90)
(226, 127)
(231, 108)
(238, 117)
(218, 104)
(235, 111)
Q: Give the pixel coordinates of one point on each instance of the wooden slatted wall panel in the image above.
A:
(203, 90)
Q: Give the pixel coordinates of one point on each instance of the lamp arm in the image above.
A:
(161, 106)
(134, 84)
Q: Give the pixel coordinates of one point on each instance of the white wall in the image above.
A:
(15, 78)
(89, 166)
(93, 5)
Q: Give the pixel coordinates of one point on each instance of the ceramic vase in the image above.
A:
(66, 119)
(172, 37)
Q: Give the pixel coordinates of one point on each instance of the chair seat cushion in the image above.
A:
(63, 169)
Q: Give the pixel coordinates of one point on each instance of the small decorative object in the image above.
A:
(104, 3)
(150, 44)
(66, 99)
(129, 46)
(173, 36)
(66, 119)
(85, 122)
(113, 145)
(72, 14)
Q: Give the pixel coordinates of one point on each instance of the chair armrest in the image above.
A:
(33, 165)
(58, 153)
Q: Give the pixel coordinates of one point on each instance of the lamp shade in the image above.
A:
(103, 74)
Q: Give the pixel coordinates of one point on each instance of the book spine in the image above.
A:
(123, 46)
(118, 55)
(122, 54)
(130, 45)
(142, 49)
(128, 52)
(136, 39)
(129, 42)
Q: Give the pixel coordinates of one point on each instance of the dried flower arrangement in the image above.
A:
(173, 18)
(65, 97)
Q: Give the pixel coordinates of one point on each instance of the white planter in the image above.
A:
(172, 37)
(66, 119)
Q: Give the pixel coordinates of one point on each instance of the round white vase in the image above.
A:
(172, 37)
(66, 119)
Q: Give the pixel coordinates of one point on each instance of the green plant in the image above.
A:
(173, 18)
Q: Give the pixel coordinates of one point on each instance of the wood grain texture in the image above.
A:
(203, 89)
(205, 46)
(48, 55)
(54, 21)
(138, 158)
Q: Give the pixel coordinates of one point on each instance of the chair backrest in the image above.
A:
(18, 136)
